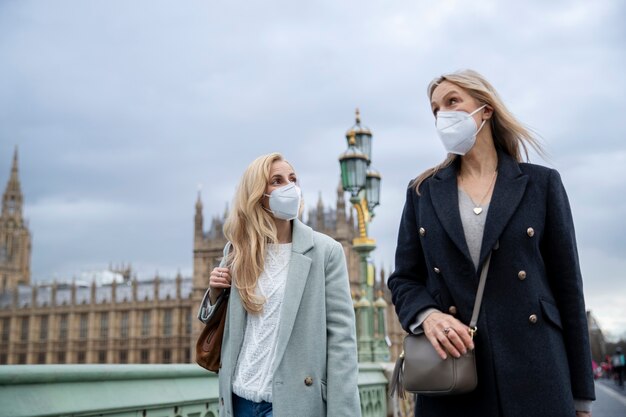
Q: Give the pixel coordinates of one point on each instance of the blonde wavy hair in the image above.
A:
(509, 135)
(250, 228)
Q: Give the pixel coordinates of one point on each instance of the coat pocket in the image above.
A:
(551, 312)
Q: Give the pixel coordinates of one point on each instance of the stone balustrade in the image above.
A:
(179, 390)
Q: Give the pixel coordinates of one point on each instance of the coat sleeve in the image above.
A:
(206, 310)
(342, 394)
(563, 270)
(408, 281)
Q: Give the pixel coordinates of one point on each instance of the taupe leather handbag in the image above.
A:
(420, 370)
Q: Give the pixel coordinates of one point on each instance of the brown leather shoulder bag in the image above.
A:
(209, 344)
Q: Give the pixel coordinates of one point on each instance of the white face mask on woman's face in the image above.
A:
(285, 202)
(457, 130)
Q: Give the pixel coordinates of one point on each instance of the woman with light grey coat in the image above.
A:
(289, 346)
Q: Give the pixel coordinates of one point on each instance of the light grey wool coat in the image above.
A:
(316, 365)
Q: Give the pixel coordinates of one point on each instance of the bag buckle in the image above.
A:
(472, 331)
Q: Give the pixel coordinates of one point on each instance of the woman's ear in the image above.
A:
(264, 202)
(487, 112)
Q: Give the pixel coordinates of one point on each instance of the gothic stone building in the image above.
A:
(129, 321)
(122, 322)
(14, 235)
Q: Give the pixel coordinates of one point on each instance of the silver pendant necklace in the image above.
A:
(478, 207)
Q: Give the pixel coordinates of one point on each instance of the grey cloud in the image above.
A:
(121, 108)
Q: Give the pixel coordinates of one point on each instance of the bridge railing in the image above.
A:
(178, 390)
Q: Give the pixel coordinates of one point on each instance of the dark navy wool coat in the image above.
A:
(532, 345)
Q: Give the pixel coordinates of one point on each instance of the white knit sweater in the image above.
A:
(253, 374)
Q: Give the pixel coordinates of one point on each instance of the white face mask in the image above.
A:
(457, 130)
(285, 202)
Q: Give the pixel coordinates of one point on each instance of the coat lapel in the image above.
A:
(236, 325)
(445, 198)
(299, 266)
(236, 319)
(507, 195)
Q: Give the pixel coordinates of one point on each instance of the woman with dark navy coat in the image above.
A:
(532, 346)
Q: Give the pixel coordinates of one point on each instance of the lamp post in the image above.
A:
(363, 183)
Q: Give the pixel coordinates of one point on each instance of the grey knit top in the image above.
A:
(473, 225)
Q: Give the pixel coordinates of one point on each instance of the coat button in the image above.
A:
(422, 231)
(521, 275)
(530, 231)
(437, 270)
(308, 381)
(532, 319)
(452, 310)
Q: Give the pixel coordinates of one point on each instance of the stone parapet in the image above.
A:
(136, 390)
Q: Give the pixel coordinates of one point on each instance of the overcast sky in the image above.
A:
(121, 108)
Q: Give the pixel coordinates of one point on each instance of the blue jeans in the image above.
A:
(247, 408)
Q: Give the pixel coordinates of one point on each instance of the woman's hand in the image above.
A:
(447, 334)
(583, 413)
(218, 280)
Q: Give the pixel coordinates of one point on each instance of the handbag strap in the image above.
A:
(226, 291)
(479, 295)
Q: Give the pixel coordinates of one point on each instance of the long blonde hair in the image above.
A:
(249, 227)
(509, 135)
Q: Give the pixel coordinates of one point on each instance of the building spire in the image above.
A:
(198, 219)
(341, 226)
(341, 202)
(14, 179)
(199, 199)
(320, 220)
(15, 243)
(12, 198)
(14, 167)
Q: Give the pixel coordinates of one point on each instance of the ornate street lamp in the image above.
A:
(353, 170)
(372, 188)
(361, 137)
(363, 184)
